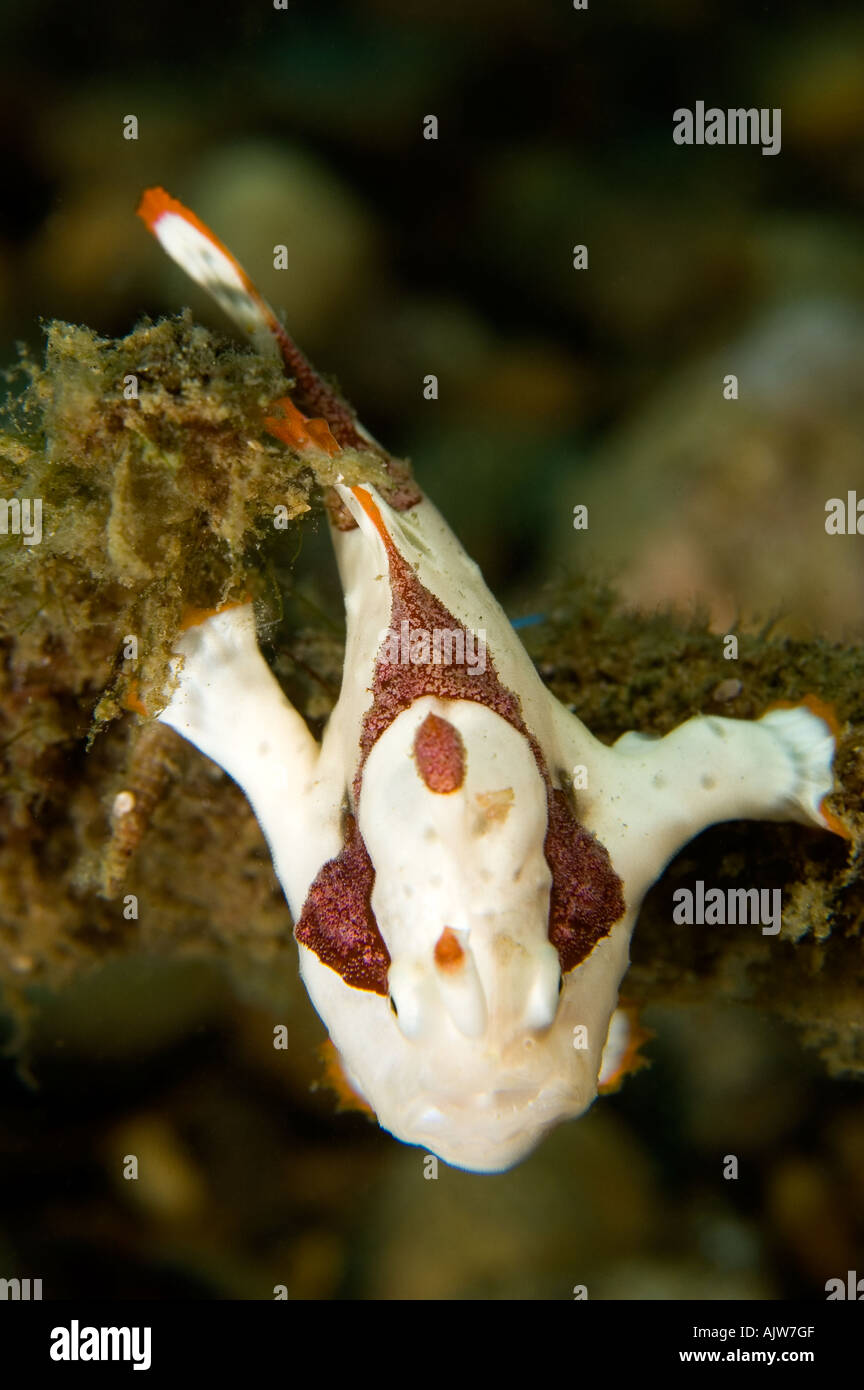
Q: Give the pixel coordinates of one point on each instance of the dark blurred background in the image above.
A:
(556, 386)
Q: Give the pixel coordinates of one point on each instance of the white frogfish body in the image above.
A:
(463, 905)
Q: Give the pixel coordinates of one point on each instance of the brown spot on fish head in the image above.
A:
(440, 754)
(494, 807)
(449, 954)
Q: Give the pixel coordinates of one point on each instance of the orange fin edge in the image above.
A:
(632, 1059)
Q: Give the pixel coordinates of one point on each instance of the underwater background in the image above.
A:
(557, 387)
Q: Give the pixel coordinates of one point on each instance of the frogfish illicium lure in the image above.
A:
(463, 906)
